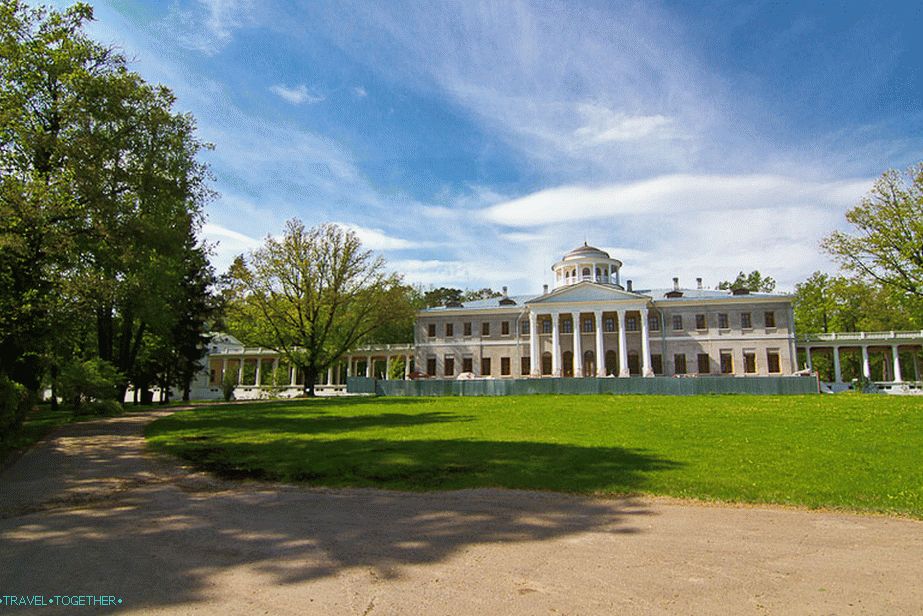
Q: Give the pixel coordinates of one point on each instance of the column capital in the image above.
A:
(598, 313)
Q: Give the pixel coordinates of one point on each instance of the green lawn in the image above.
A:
(38, 423)
(859, 452)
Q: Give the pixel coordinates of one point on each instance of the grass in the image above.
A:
(39, 422)
(858, 452)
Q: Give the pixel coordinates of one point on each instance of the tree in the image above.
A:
(887, 242)
(314, 295)
(754, 281)
(813, 304)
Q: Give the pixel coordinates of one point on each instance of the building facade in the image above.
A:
(589, 324)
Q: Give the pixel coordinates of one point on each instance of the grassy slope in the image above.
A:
(856, 452)
(38, 423)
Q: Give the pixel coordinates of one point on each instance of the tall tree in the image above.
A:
(886, 243)
(754, 281)
(314, 295)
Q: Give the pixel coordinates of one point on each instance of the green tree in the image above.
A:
(754, 281)
(314, 295)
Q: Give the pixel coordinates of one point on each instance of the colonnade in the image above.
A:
(895, 360)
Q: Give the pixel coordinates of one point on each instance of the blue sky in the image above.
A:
(473, 143)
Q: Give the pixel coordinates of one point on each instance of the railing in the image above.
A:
(860, 336)
(364, 350)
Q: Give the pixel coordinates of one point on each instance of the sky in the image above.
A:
(472, 144)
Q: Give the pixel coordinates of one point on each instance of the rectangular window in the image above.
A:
(449, 330)
(588, 326)
(505, 366)
(772, 362)
(653, 322)
(525, 366)
(657, 363)
(567, 327)
(745, 321)
(727, 363)
(679, 364)
(485, 366)
(524, 328)
(505, 328)
(770, 319)
(700, 322)
(466, 328)
(431, 365)
(704, 363)
(485, 328)
(723, 322)
(609, 325)
(431, 330)
(546, 326)
(449, 365)
(677, 322)
(631, 324)
(749, 362)
(467, 364)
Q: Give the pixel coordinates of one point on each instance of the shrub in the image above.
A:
(94, 379)
(101, 408)
(228, 385)
(14, 404)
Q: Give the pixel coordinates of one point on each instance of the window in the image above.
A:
(723, 322)
(653, 322)
(657, 363)
(485, 328)
(727, 362)
(772, 361)
(524, 328)
(431, 330)
(505, 366)
(567, 327)
(546, 363)
(525, 366)
(586, 273)
(700, 322)
(449, 330)
(679, 364)
(677, 322)
(546, 326)
(770, 319)
(466, 328)
(505, 328)
(467, 364)
(631, 324)
(704, 363)
(745, 321)
(587, 326)
(749, 362)
(485, 366)
(609, 325)
(449, 366)
(431, 365)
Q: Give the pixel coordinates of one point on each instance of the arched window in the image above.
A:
(589, 363)
(586, 272)
(568, 363)
(546, 363)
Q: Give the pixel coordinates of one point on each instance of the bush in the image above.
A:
(14, 404)
(83, 382)
(101, 408)
(228, 385)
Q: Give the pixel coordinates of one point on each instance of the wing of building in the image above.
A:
(589, 324)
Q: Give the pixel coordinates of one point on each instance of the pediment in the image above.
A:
(587, 292)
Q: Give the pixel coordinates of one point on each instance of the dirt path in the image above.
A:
(89, 511)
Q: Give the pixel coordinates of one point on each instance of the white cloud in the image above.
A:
(360, 91)
(209, 25)
(296, 95)
(605, 126)
(677, 194)
(376, 239)
(227, 244)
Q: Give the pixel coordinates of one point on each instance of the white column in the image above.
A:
(387, 367)
(623, 346)
(368, 367)
(275, 370)
(837, 374)
(349, 367)
(807, 354)
(294, 371)
(224, 368)
(646, 369)
(535, 368)
(240, 371)
(578, 346)
(866, 369)
(407, 367)
(916, 366)
(330, 375)
(555, 345)
(600, 350)
(896, 356)
(259, 369)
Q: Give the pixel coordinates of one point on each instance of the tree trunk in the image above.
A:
(310, 377)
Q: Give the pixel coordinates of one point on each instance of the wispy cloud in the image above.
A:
(360, 91)
(209, 25)
(376, 239)
(296, 95)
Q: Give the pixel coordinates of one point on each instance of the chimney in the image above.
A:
(504, 291)
(675, 283)
(628, 282)
(698, 282)
(544, 289)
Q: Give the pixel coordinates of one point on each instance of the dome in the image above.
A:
(587, 264)
(586, 251)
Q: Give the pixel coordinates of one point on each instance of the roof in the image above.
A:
(703, 294)
(586, 251)
(482, 304)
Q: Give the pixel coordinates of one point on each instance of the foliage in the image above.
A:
(101, 408)
(754, 281)
(887, 242)
(228, 385)
(443, 295)
(90, 380)
(851, 452)
(15, 402)
(314, 295)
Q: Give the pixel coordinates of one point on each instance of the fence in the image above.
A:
(633, 385)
